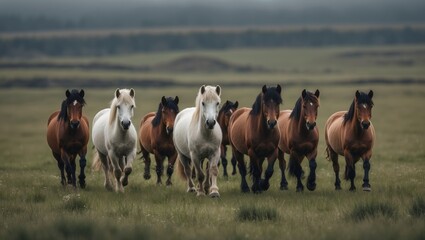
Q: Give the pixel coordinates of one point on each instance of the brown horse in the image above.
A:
(68, 135)
(352, 135)
(155, 136)
(223, 120)
(255, 132)
(298, 138)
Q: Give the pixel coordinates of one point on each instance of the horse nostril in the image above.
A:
(365, 125)
(211, 123)
(75, 124)
(272, 123)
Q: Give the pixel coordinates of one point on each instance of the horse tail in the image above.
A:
(180, 169)
(97, 164)
(328, 155)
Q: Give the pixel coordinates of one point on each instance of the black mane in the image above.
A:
(269, 95)
(226, 107)
(158, 116)
(73, 95)
(363, 98)
(296, 112)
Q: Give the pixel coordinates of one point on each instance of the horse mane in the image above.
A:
(269, 95)
(226, 107)
(158, 116)
(296, 112)
(74, 96)
(363, 98)
(210, 93)
(124, 97)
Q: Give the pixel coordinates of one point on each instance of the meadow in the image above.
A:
(33, 204)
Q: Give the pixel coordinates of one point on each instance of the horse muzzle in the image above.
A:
(74, 124)
(365, 124)
(169, 130)
(310, 126)
(271, 124)
(210, 124)
(125, 124)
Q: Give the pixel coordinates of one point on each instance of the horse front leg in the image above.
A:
(224, 160)
(295, 169)
(159, 159)
(170, 168)
(366, 167)
(311, 180)
(350, 168)
(83, 163)
(68, 167)
(255, 169)
(186, 162)
(333, 156)
(213, 174)
(147, 158)
(128, 168)
(265, 184)
(242, 170)
(61, 167)
(282, 166)
(116, 170)
(199, 174)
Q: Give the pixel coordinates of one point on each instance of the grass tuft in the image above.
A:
(256, 213)
(74, 204)
(370, 210)
(418, 207)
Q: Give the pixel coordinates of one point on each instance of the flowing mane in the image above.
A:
(74, 95)
(124, 97)
(270, 95)
(363, 98)
(158, 116)
(226, 107)
(296, 112)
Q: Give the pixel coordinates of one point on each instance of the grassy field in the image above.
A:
(33, 204)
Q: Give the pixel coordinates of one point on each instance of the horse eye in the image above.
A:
(203, 104)
(132, 106)
(118, 107)
(218, 104)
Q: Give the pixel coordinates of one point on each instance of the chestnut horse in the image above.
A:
(68, 135)
(255, 132)
(156, 137)
(298, 138)
(352, 135)
(223, 118)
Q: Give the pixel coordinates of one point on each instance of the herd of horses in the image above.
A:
(195, 134)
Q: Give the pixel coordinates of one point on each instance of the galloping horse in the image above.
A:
(115, 139)
(298, 138)
(196, 137)
(255, 132)
(352, 135)
(155, 136)
(68, 135)
(223, 120)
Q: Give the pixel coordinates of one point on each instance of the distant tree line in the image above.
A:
(147, 42)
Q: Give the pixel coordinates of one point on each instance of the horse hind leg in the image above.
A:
(159, 159)
(282, 166)
(224, 161)
(242, 170)
(61, 167)
(107, 170)
(186, 162)
(199, 174)
(333, 156)
(170, 168)
(127, 168)
(147, 158)
(83, 163)
(366, 167)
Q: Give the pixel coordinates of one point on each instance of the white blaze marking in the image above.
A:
(364, 105)
(231, 111)
(311, 104)
(75, 102)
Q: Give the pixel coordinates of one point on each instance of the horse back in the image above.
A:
(237, 127)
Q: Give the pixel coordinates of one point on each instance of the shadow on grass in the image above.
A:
(370, 210)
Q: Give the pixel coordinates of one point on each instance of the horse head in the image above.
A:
(124, 104)
(72, 107)
(169, 111)
(210, 100)
(363, 106)
(271, 101)
(310, 105)
(226, 112)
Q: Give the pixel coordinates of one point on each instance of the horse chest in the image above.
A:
(72, 146)
(265, 148)
(358, 148)
(303, 148)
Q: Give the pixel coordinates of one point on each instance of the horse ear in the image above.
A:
(236, 104)
(304, 93)
(357, 94)
(202, 89)
(82, 93)
(67, 93)
(279, 89)
(163, 101)
(176, 100)
(264, 89)
(132, 93)
(218, 90)
(370, 94)
(117, 93)
(317, 93)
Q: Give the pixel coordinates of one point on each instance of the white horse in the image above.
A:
(198, 136)
(115, 138)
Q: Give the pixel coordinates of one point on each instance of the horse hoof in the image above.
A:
(311, 186)
(352, 189)
(284, 187)
(300, 189)
(200, 194)
(367, 189)
(82, 185)
(146, 176)
(158, 183)
(338, 187)
(214, 194)
(191, 190)
(169, 184)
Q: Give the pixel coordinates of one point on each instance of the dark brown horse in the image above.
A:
(68, 135)
(255, 132)
(352, 135)
(156, 137)
(223, 120)
(298, 138)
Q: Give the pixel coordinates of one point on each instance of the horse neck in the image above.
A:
(260, 121)
(300, 124)
(355, 124)
(161, 128)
